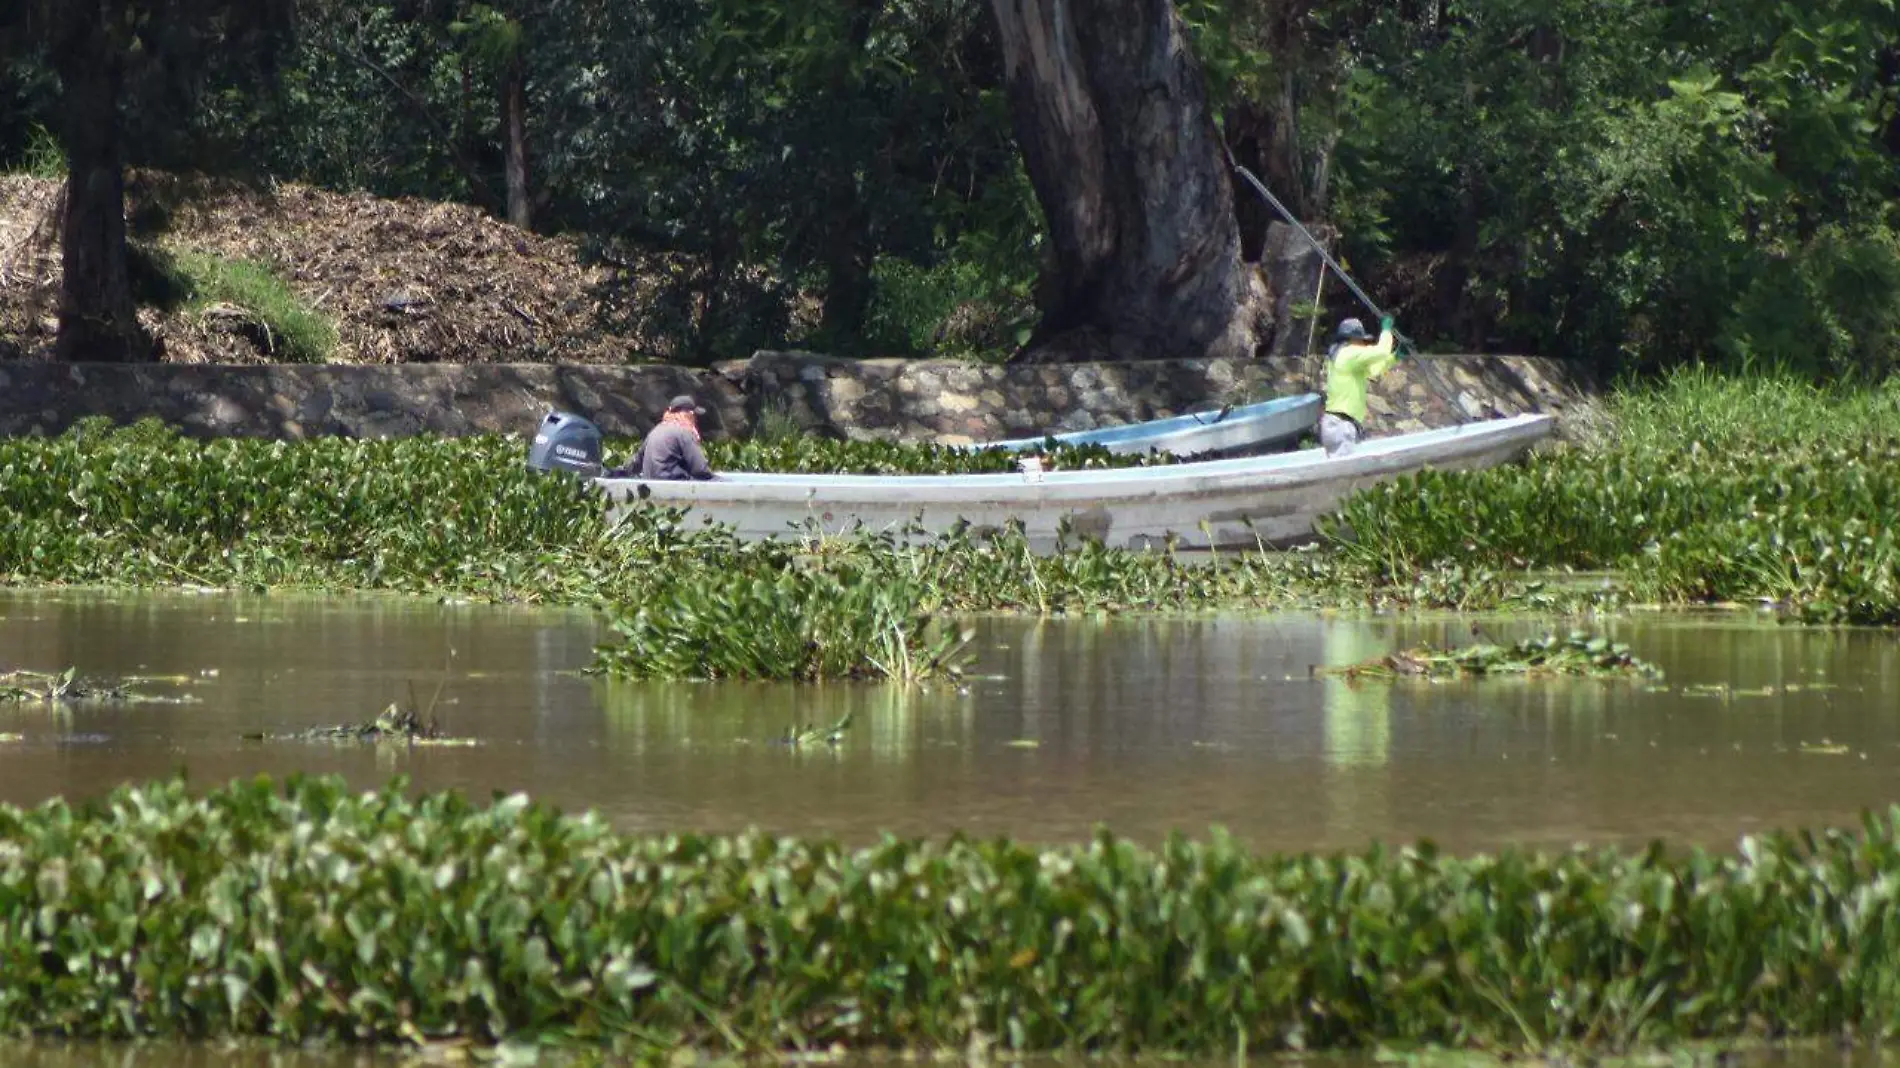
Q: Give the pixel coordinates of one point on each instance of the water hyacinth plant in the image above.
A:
(802, 623)
(1706, 490)
(1576, 654)
(307, 912)
(143, 506)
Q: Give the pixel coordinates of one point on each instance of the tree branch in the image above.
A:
(469, 171)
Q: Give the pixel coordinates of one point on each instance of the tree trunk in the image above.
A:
(98, 319)
(1112, 117)
(848, 288)
(514, 122)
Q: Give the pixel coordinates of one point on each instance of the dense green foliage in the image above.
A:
(143, 506)
(1620, 181)
(310, 911)
(1700, 489)
(144, 503)
(839, 622)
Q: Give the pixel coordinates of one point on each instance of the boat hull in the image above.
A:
(1238, 503)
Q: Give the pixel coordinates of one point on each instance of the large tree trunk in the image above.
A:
(98, 319)
(1112, 117)
(514, 122)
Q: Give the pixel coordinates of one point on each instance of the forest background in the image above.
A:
(1620, 182)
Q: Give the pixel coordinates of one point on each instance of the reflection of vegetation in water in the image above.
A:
(888, 721)
(1358, 716)
(812, 734)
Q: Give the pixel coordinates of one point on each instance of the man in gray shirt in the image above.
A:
(671, 450)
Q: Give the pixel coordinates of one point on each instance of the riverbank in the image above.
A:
(1692, 491)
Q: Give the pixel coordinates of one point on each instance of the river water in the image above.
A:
(1144, 725)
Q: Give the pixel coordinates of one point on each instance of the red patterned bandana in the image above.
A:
(683, 419)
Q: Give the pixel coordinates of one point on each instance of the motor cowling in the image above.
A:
(566, 442)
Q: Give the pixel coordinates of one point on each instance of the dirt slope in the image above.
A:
(404, 280)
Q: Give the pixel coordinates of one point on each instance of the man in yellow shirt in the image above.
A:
(1355, 359)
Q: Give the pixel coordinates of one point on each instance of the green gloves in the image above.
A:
(1404, 343)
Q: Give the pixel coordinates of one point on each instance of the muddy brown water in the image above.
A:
(1144, 725)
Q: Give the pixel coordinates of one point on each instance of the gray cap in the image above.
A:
(1352, 330)
(684, 403)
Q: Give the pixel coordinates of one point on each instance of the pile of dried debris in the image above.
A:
(404, 280)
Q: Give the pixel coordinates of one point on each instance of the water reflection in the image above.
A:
(1145, 725)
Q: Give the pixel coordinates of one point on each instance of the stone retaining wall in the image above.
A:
(936, 400)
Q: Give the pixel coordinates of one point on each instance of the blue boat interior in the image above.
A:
(1114, 435)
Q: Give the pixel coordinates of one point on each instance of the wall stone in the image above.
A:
(960, 403)
(933, 400)
(353, 400)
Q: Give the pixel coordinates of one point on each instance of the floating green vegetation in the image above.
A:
(307, 912)
(462, 517)
(1576, 654)
(143, 506)
(810, 735)
(395, 724)
(1705, 490)
(66, 687)
(801, 623)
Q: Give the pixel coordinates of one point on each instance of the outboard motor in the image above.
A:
(566, 442)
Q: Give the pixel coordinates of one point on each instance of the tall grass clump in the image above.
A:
(793, 623)
(308, 912)
(1700, 488)
(283, 325)
(43, 157)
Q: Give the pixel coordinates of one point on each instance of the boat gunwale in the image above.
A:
(1186, 427)
(1241, 474)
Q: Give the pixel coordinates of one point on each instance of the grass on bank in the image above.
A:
(250, 296)
(307, 911)
(43, 157)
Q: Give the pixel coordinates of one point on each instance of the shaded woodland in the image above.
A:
(1616, 181)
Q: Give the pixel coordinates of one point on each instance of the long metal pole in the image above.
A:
(1430, 372)
(1311, 240)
